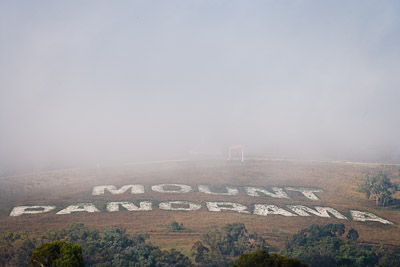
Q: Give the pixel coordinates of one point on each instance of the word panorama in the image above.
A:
(260, 209)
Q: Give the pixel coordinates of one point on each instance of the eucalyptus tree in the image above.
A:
(379, 187)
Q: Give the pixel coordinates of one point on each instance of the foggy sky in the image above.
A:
(129, 80)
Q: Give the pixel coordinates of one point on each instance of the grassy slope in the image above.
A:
(61, 188)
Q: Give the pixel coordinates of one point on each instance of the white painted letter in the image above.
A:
(307, 192)
(189, 205)
(363, 216)
(136, 189)
(88, 207)
(129, 206)
(20, 210)
(278, 192)
(319, 211)
(183, 188)
(265, 210)
(231, 191)
(220, 206)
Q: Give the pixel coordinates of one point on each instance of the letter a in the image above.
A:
(363, 216)
(88, 207)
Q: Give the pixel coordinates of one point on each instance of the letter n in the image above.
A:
(278, 192)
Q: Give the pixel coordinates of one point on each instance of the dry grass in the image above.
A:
(61, 188)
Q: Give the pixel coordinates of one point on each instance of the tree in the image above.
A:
(323, 260)
(233, 240)
(57, 253)
(200, 252)
(324, 245)
(16, 248)
(261, 258)
(379, 187)
(117, 247)
(352, 235)
(220, 247)
(175, 226)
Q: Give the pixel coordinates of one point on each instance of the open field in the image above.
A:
(62, 188)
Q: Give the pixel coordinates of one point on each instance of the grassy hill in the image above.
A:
(338, 180)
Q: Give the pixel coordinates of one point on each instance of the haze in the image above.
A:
(89, 81)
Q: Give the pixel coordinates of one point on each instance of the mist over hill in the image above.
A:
(89, 82)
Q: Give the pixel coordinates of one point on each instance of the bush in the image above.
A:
(261, 258)
(175, 227)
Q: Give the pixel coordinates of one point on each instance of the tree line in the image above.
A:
(231, 245)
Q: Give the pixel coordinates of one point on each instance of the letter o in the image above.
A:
(169, 205)
(161, 188)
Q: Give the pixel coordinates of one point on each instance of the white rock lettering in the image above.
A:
(278, 192)
(182, 188)
(307, 192)
(20, 210)
(129, 206)
(86, 207)
(318, 211)
(230, 191)
(226, 206)
(364, 216)
(265, 210)
(179, 205)
(135, 189)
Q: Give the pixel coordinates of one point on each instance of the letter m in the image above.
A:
(318, 211)
(100, 190)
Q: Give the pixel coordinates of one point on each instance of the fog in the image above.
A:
(90, 81)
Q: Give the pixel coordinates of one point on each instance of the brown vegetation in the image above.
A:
(61, 188)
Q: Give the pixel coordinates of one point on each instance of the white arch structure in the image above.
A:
(236, 147)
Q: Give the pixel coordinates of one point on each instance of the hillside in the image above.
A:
(334, 185)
